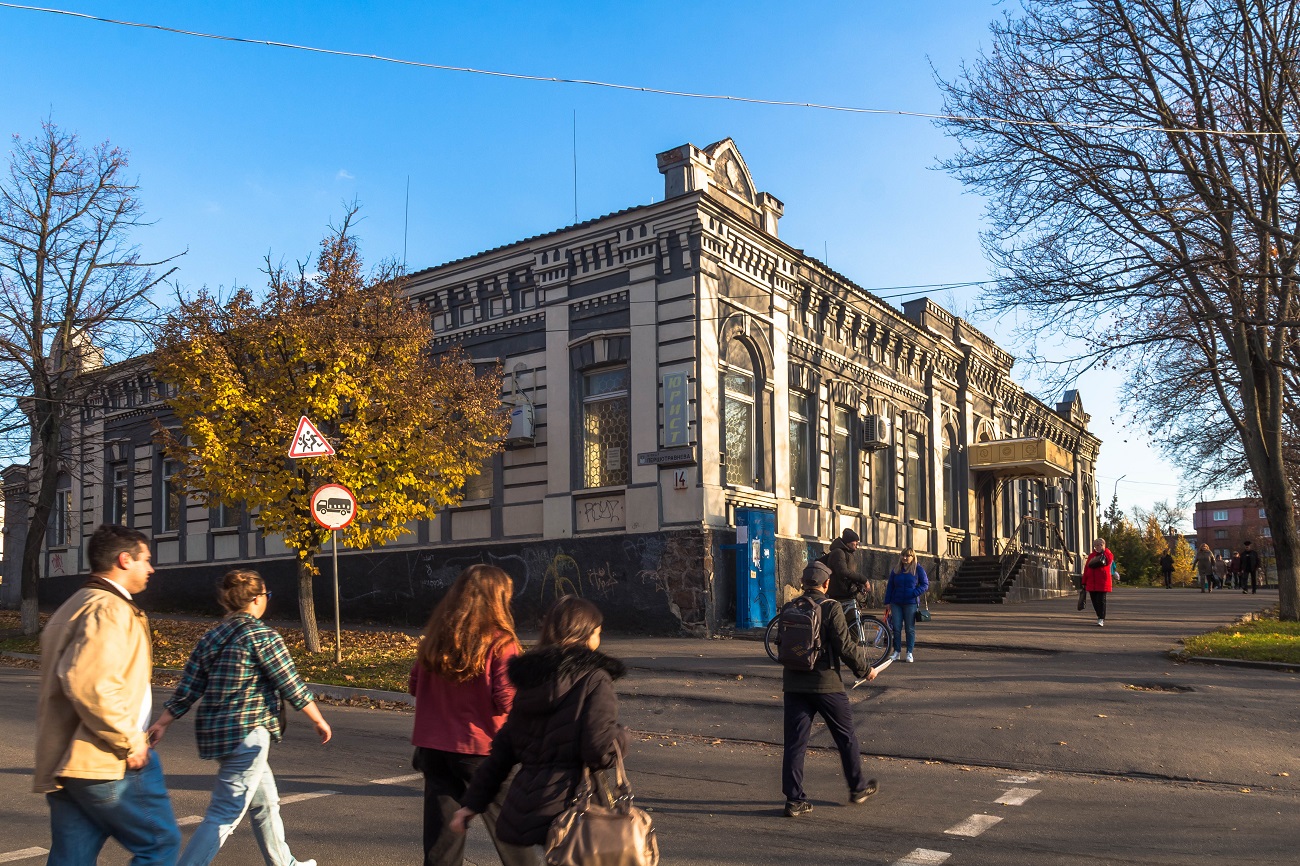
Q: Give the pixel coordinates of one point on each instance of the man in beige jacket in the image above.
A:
(93, 760)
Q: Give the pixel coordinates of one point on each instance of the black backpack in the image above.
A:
(799, 633)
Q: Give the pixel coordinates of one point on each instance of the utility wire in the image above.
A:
(685, 94)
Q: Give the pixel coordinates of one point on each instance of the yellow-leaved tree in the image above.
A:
(1184, 562)
(351, 352)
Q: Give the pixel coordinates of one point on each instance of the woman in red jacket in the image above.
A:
(462, 698)
(1096, 577)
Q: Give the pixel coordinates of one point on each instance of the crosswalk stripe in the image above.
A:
(22, 855)
(311, 795)
(973, 826)
(1017, 796)
(1020, 780)
(923, 857)
(188, 820)
(397, 780)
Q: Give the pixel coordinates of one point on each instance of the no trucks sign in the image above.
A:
(333, 506)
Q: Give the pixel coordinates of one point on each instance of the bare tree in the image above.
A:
(72, 291)
(1140, 159)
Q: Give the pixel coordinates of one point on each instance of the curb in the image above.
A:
(1289, 667)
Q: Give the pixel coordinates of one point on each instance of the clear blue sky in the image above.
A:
(245, 150)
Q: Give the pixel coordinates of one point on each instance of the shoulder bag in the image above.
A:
(923, 615)
(593, 834)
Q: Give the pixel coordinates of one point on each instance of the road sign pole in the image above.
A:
(338, 627)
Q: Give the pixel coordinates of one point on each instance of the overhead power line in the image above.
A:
(684, 94)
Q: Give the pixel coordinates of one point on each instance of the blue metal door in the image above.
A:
(755, 567)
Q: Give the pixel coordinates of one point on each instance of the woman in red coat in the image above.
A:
(1096, 577)
(462, 697)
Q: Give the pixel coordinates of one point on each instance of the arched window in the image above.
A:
(739, 415)
(951, 493)
(845, 458)
(884, 479)
(915, 487)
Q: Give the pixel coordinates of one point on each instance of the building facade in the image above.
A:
(1225, 524)
(671, 369)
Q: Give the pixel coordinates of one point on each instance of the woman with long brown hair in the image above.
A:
(565, 718)
(462, 697)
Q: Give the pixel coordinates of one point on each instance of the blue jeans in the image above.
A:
(244, 783)
(901, 615)
(135, 810)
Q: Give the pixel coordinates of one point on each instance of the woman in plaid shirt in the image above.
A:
(243, 671)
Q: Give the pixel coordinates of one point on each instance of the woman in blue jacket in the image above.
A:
(907, 583)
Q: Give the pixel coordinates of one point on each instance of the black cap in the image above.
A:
(849, 535)
(1246, 543)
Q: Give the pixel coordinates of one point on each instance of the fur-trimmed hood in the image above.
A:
(543, 676)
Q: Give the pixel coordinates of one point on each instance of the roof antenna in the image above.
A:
(575, 166)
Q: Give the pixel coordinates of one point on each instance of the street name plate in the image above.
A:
(666, 457)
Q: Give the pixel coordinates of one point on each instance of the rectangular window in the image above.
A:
(802, 413)
(1220, 515)
(914, 481)
(1220, 533)
(1263, 515)
(1266, 532)
(844, 462)
(172, 500)
(466, 315)
(606, 428)
(61, 519)
(883, 482)
(480, 486)
(119, 498)
(226, 516)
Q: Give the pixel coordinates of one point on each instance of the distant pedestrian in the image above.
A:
(1249, 567)
(1096, 577)
(841, 559)
(93, 761)
(1234, 569)
(242, 671)
(564, 718)
(820, 692)
(1220, 570)
(1167, 569)
(908, 583)
(1205, 568)
(462, 697)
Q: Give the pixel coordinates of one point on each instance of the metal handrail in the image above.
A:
(1014, 546)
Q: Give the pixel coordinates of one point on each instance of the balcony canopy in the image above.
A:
(1021, 458)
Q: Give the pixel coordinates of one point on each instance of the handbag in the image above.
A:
(1083, 598)
(923, 615)
(593, 834)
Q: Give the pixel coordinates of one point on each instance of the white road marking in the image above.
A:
(923, 857)
(1020, 780)
(397, 780)
(973, 826)
(1017, 796)
(312, 795)
(190, 819)
(22, 855)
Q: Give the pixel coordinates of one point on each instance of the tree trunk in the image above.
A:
(38, 526)
(1282, 525)
(307, 607)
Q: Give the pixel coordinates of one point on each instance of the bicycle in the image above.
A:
(872, 632)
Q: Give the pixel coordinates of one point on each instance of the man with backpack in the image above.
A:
(814, 639)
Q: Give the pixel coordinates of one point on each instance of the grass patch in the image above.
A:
(1264, 640)
(371, 659)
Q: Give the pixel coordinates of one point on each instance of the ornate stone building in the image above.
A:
(674, 367)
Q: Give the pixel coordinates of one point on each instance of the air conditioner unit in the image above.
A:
(1054, 497)
(875, 431)
(521, 424)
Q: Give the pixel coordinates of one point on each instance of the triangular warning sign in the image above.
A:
(308, 442)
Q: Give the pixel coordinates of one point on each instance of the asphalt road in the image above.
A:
(1088, 770)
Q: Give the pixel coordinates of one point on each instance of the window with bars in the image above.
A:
(951, 495)
(61, 520)
(606, 427)
(914, 486)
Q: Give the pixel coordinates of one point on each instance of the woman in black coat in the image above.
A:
(564, 718)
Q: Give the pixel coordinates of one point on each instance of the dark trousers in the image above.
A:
(1253, 585)
(1099, 603)
(835, 711)
(1169, 578)
(446, 776)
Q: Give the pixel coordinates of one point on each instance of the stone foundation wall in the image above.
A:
(1038, 580)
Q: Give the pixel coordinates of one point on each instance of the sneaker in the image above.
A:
(795, 808)
(1101, 622)
(909, 657)
(895, 657)
(857, 798)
